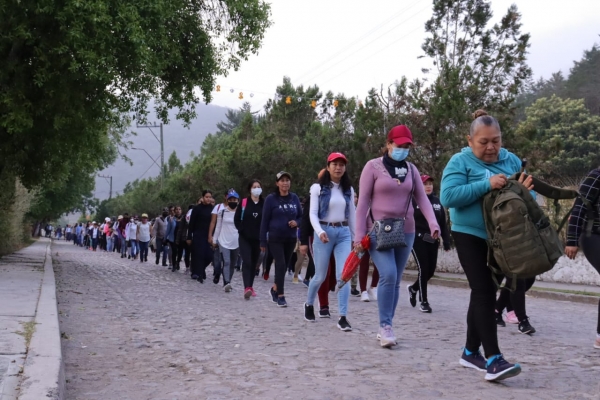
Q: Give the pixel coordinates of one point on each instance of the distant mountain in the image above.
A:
(176, 138)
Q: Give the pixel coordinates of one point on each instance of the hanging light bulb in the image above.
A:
(251, 94)
(231, 90)
(218, 88)
(288, 100)
(241, 96)
(313, 104)
(336, 103)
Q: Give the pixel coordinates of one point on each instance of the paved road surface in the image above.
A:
(139, 331)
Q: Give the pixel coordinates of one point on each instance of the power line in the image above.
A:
(353, 43)
(357, 50)
(338, 74)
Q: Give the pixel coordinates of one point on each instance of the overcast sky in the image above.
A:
(352, 46)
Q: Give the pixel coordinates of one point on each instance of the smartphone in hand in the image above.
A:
(427, 238)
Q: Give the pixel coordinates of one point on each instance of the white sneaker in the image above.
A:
(386, 336)
(372, 292)
(364, 296)
(227, 288)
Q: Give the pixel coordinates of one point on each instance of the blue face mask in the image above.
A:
(399, 154)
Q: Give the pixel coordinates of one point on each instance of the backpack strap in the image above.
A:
(244, 202)
(556, 193)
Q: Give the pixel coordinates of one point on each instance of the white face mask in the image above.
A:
(256, 192)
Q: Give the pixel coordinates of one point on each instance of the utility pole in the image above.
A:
(162, 149)
(106, 177)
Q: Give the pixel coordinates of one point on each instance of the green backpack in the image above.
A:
(521, 239)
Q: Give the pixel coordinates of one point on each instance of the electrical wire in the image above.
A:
(360, 48)
(353, 43)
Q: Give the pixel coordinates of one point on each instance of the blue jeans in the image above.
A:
(123, 245)
(390, 264)
(340, 244)
(133, 250)
(109, 244)
(143, 250)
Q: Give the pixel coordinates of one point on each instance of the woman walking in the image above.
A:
(468, 177)
(577, 235)
(183, 250)
(332, 216)
(198, 234)
(425, 248)
(226, 237)
(281, 217)
(247, 220)
(387, 185)
(143, 237)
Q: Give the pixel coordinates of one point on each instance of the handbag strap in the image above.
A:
(408, 203)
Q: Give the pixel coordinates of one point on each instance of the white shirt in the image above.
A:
(144, 232)
(132, 231)
(218, 208)
(336, 211)
(226, 233)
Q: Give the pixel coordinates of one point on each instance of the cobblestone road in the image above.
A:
(139, 331)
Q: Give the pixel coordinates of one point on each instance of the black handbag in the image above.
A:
(389, 232)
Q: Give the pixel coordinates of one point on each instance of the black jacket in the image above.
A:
(249, 227)
(200, 221)
(421, 225)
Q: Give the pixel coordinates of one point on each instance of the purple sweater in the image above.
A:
(388, 199)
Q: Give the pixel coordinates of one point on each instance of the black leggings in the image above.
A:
(282, 253)
(590, 248)
(174, 250)
(186, 258)
(481, 321)
(250, 251)
(426, 255)
(515, 300)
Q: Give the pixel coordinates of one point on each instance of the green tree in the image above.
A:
(72, 68)
(584, 80)
(561, 139)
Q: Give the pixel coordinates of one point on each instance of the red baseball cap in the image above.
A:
(425, 178)
(336, 156)
(400, 135)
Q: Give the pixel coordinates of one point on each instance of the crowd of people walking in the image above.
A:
(317, 232)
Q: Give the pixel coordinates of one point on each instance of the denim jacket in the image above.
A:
(326, 196)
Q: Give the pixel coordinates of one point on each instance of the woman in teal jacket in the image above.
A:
(469, 175)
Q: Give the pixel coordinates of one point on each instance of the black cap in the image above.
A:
(281, 174)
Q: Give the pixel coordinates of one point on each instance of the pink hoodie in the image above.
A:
(388, 199)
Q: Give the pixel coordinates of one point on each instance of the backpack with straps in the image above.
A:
(521, 240)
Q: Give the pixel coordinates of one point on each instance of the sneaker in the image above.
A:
(499, 320)
(500, 369)
(365, 297)
(216, 280)
(295, 280)
(597, 342)
(354, 292)
(309, 313)
(266, 276)
(227, 288)
(372, 293)
(306, 282)
(511, 318)
(525, 327)
(195, 277)
(425, 307)
(273, 294)
(324, 312)
(412, 296)
(253, 292)
(386, 336)
(474, 360)
(247, 293)
(343, 324)
(281, 301)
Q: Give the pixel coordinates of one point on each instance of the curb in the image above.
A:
(533, 292)
(44, 372)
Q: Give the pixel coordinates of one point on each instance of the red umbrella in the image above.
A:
(353, 261)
